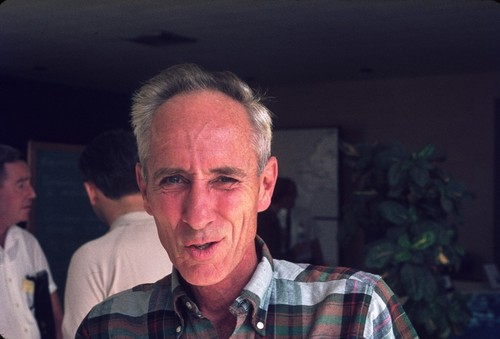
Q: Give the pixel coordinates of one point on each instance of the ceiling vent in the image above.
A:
(162, 38)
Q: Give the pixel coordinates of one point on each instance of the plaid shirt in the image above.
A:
(282, 300)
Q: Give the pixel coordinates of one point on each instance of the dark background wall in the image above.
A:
(54, 113)
(456, 113)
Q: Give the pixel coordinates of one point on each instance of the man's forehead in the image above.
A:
(18, 170)
(200, 118)
(199, 104)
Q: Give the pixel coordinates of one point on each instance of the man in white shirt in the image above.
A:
(131, 252)
(20, 253)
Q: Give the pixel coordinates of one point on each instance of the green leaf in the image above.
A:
(394, 212)
(395, 174)
(404, 241)
(428, 285)
(418, 282)
(379, 254)
(426, 152)
(444, 236)
(417, 258)
(447, 204)
(460, 250)
(410, 281)
(420, 176)
(402, 256)
(424, 240)
(396, 191)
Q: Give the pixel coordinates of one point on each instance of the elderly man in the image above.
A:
(205, 172)
(21, 256)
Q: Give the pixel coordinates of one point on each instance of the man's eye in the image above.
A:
(172, 180)
(225, 180)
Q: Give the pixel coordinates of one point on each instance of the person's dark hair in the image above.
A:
(108, 162)
(8, 154)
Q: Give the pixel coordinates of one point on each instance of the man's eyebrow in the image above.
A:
(23, 179)
(228, 170)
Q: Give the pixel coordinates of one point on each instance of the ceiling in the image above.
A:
(114, 45)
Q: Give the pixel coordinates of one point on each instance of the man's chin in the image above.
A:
(202, 276)
(23, 219)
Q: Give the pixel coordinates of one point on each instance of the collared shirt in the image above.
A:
(129, 254)
(281, 300)
(21, 256)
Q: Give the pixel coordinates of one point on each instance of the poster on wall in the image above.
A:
(310, 157)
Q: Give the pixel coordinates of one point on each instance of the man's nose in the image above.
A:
(31, 192)
(198, 207)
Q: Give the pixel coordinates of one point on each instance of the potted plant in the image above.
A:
(409, 208)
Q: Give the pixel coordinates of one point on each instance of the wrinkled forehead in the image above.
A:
(205, 121)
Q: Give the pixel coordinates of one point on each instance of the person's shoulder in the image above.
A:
(107, 240)
(135, 301)
(320, 284)
(17, 232)
(135, 218)
(129, 227)
(93, 247)
(306, 273)
(341, 273)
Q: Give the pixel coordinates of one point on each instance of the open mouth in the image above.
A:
(204, 246)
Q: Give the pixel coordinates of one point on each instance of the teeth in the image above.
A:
(202, 247)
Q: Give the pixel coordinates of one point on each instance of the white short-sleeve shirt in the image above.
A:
(21, 256)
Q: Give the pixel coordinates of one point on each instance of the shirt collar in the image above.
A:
(11, 246)
(131, 218)
(257, 292)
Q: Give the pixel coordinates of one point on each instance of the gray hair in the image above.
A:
(187, 78)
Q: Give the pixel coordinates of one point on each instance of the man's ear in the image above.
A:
(141, 182)
(91, 192)
(268, 180)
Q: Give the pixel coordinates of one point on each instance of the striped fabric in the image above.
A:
(282, 300)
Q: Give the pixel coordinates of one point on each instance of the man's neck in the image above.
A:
(214, 301)
(126, 204)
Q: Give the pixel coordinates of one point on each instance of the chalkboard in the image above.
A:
(62, 219)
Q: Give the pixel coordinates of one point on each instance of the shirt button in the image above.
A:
(260, 325)
(178, 329)
(189, 305)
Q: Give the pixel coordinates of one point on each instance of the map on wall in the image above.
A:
(310, 158)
